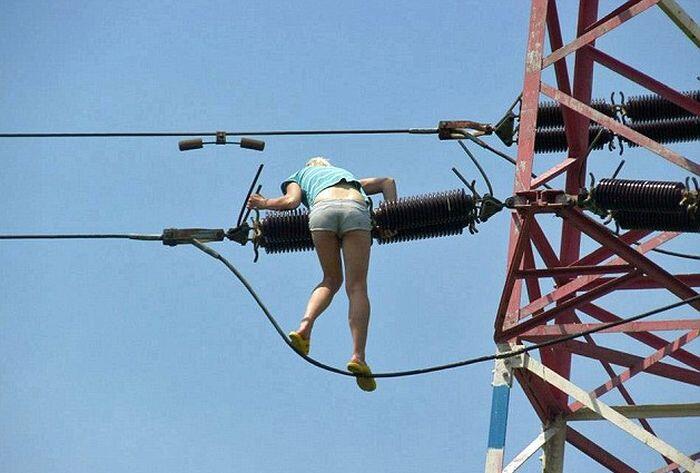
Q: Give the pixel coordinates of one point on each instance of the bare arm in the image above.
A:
(375, 185)
(290, 200)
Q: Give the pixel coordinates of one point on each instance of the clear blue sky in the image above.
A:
(131, 356)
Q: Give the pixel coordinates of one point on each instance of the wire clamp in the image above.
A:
(458, 130)
(180, 236)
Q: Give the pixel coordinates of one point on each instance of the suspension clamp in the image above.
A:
(179, 236)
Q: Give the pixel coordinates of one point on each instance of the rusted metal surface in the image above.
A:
(581, 279)
(520, 231)
(645, 282)
(599, 31)
(641, 366)
(628, 360)
(565, 303)
(552, 331)
(553, 172)
(650, 339)
(561, 73)
(531, 93)
(622, 130)
(625, 6)
(602, 236)
(575, 271)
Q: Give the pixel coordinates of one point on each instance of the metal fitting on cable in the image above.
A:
(179, 236)
(197, 143)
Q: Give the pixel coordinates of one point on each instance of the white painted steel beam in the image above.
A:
(530, 450)
(681, 19)
(649, 411)
(609, 414)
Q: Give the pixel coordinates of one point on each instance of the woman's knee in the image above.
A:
(332, 282)
(356, 288)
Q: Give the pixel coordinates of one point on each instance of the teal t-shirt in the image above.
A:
(314, 179)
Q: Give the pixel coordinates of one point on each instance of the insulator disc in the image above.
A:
(424, 232)
(554, 139)
(623, 194)
(645, 108)
(677, 130)
(443, 209)
(286, 231)
(549, 113)
(680, 221)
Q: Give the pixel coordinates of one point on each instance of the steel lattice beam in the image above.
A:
(529, 310)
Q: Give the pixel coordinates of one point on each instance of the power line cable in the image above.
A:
(392, 374)
(412, 131)
(470, 361)
(85, 236)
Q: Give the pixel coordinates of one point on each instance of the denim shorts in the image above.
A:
(339, 216)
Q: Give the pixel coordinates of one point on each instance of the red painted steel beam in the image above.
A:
(572, 287)
(603, 236)
(621, 129)
(531, 94)
(645, 282)
(650, 339)
(597, 453)
(547, 332)
(644, 80)
(623, 392)
(564, 305)
(570, 245)
(619, 358)
(540, 394)
(574, 271)
(562, 75)
(532, 283)
(603, 253)
(641, 366)
(582, 91)
(612, 14)
(520, 233)
(554, 171)
(595, 33)
(567, 290)
(542, 245)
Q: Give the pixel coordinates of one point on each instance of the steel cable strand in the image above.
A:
(399, 374)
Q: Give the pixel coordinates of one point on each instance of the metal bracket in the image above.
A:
(542, 199)
(503, 370)
(240, 234)
(490, 206)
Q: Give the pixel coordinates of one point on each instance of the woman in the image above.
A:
(340, 224)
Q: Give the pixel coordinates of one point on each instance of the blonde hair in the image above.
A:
(318, 161)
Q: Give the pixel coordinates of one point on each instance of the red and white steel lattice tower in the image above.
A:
(526, 312)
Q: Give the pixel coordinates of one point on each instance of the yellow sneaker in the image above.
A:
(365, 383)
(299, 343)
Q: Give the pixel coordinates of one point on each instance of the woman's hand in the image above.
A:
(256, 201)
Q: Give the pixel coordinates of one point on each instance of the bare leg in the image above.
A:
(328, 250)
(356, 247)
